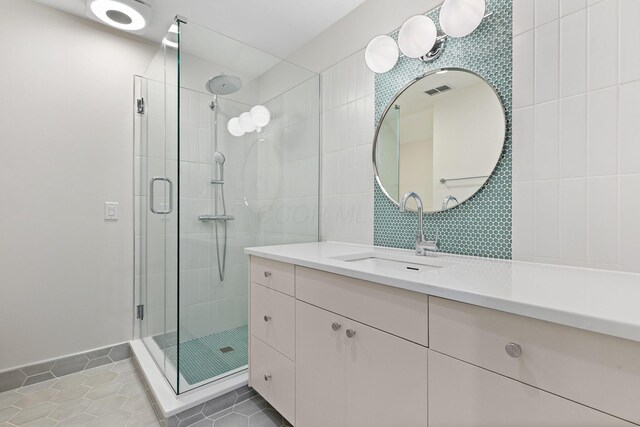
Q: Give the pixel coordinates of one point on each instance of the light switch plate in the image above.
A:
(111, 211)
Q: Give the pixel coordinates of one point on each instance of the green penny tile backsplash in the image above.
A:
(480, 226)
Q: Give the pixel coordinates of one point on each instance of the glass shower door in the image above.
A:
(159, 211)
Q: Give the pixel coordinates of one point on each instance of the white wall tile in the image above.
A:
(523, 70)
(573, 54)
(546, 152)
(546, 62)
(573, 137)
(573, 219)
(570, 6)
(629, 128)
(602, 220)
(602, 133)
(603, 44)
(547, 214)
(523, 144)
(598, 129)
(629, 39)
(523, 16)
(629, 224)
(546, 11)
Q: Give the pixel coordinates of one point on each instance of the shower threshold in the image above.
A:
(168, 402)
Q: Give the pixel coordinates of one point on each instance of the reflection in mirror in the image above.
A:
(441, 137)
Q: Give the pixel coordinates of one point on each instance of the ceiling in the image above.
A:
(278, 27)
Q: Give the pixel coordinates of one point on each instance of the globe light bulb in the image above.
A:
(381, 54)
(246, 123)
(233, 126)
(460, 18)
(417, 36)
(260, 115)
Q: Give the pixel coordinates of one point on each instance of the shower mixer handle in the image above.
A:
(267, 318)
(267, 274)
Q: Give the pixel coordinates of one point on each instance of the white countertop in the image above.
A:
(596, 300)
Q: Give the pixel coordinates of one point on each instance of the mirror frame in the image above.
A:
(393, 102)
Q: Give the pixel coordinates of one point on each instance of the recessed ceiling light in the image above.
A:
(127, 15)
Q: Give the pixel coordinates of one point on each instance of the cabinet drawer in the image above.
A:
(397, 311)
(593, 369)
(463, 395)
(273, 319)
(273, 274)
(273, 376)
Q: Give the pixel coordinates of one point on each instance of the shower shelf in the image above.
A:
(217, 181)
(216, 218)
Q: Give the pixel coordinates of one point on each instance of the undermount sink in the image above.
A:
(392, 262)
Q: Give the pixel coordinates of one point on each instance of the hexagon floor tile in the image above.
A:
(112, 395)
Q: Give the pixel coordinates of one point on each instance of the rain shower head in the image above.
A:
(224, 84)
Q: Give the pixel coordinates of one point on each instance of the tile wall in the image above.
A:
(347, 138)
(576, 155)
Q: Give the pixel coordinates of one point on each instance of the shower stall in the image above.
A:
(226, 157)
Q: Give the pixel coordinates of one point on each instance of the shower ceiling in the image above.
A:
(278, 27)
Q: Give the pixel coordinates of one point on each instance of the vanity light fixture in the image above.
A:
(253, 120)
(127, 15)
(419, 37)
(381, 54)
(460, 18)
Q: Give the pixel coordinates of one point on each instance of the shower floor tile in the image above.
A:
(208, 357)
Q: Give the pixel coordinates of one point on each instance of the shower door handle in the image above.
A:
(152, 195)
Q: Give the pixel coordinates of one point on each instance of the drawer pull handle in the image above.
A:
(335, 326)
(267, 274)
(267, 318)
(267, 377)
(514, 350)
(350, 333)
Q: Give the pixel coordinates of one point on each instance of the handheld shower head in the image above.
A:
(218, 157)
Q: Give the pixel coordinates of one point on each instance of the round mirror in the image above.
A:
(441, 137)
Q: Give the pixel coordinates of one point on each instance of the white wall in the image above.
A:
(576, 156)
(66, 118)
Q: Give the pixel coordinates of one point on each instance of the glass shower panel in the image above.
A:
(223, 205)
(157, 206)
(216, 192)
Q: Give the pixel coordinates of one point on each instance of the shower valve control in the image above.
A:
(267, 318)
(267, 377)
(267, 274)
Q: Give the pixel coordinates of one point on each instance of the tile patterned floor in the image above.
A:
(112, 395)
(253, 412)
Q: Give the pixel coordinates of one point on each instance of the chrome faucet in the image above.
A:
(449, 198)
(423, 246)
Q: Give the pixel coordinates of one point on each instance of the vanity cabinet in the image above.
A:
(597, 370)
(330, 350)
(463, 395)
(350, 374)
